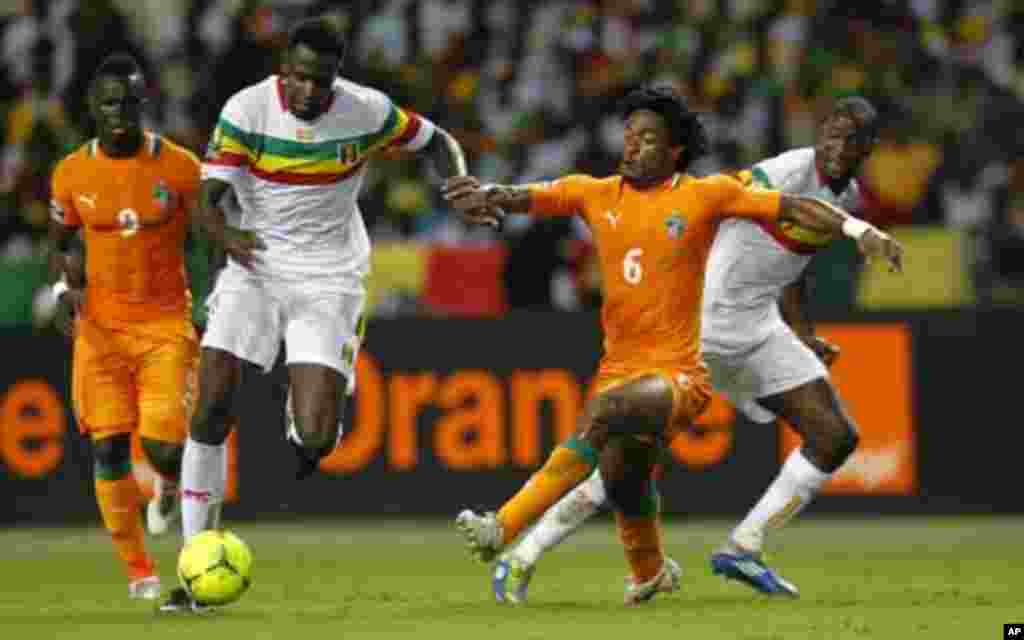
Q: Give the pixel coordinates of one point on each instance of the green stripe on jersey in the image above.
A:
(328, 150)
(761, 178)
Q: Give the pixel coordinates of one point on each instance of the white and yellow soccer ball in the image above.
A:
(215, 567)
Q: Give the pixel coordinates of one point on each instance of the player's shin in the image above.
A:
(562, 520)
(203, 482)
(795, 486)
(567, 466)
(119, 500)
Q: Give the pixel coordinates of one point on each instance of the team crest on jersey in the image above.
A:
(676, 225)
(163, 195)
(304, 135)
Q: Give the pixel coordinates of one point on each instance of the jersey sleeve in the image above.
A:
(400, 128)
(191, 172)
(738, 201)
(234, 144)
(62, 204)
(562, 197)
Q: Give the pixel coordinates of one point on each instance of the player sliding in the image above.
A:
(763, 355)
(654, 227)
(292, 150)
(135, 348)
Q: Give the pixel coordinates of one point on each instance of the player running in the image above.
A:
(762, 352)
(654, 227)
(135, 348)
(292, 150)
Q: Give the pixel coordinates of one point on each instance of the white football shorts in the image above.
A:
(251, 315)
(780, 363)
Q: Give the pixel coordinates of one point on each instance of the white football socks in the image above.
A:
(561, 520)
(204, 477)
(795, 486)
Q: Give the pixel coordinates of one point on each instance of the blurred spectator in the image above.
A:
(530, 88)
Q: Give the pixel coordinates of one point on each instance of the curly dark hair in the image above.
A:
(861, 111)
(321, 34)
(685, 127)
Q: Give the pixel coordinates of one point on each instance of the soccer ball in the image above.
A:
(214, 567)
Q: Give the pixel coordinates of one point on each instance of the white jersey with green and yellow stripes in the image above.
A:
(751, 262)
(297, 182)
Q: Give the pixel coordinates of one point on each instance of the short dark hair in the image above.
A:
(119, 65)
(321, 34)
(861, 111)
(685, 127)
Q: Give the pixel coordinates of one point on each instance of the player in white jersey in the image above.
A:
(762, 352)
(291, 151)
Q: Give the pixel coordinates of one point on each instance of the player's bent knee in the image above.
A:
(641, 406)
(164, 456)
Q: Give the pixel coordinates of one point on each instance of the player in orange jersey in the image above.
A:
(653, 226)
(129, 191)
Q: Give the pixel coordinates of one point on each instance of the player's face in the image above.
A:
(309, 80)
(117, 105)
(647, 153)
(842, 146)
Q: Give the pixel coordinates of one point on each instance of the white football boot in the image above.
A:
(667, 581)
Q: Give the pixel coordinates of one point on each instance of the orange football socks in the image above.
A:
(641, 539)
(567, 466)
(119, 499)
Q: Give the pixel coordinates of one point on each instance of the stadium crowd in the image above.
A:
(527, 87)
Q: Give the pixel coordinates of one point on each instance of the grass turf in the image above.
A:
(859, 578)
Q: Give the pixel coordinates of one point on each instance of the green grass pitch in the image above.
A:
(876, 578)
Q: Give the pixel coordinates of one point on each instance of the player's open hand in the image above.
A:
(877, 244)
(242, 245)
(465, 194)
(826, 351)
(69, 304)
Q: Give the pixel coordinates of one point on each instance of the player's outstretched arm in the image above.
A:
(466, 194)
(819, 215)
(451, 163)
(239, 244)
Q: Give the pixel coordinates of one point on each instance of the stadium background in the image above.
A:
(481, 342)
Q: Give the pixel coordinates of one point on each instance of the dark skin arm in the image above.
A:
(63, 263)
(466, 194)
(818, 215)
(238, 244)
(793, 306)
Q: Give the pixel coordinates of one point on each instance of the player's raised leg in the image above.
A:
(829, 438)
(568, 465)
(514, 570)
(316, 403)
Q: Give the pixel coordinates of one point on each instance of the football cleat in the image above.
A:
(179, 601)
(511, 579)
(482, 534)
(164, 507)
(667, 581)
(750, 569)
(147, 588)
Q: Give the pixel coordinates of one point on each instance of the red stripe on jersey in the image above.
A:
(411, 129)
(288, 177)
(228, 159)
